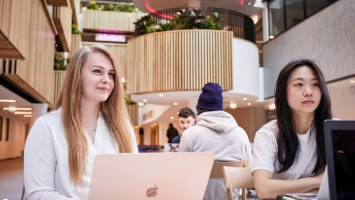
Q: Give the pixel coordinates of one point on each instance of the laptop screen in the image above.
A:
(341, 158)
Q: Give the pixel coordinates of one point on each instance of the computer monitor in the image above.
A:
(340, 150)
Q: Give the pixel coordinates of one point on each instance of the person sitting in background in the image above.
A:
(216, 131)
(289, 153)
(187, 118)
(90, 118)
(171, 133)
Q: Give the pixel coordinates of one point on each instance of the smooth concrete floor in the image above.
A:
(11, 179)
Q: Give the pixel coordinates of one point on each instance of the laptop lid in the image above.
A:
(340, 149)
(156, 176)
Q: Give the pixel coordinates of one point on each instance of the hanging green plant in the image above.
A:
(92, 5)
(59, 63)
(74, 29)
(144, 25)
(128, 100)
(212, 22)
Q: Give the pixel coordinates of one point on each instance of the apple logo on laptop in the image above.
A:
(152, 191)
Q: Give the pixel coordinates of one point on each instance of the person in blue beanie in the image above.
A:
(216, 131)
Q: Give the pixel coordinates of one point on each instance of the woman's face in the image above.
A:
(303, 91)
(97, 78)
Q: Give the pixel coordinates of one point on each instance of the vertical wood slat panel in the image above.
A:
(109, 20)
(37, 69)
(185, 62)
(15, 28)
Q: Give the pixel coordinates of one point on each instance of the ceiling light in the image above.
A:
(140, 104)
(245, 99)
(272, 106)
(23, 113)
(27, 115)
(249, 3)
(144, 100)
(233, 105)
(175, 103)
(7, 100)
(271, 37)
(261, 51)
(352, 81)
(9, 108)
(249, 104)
(171, 117)
(161, 95)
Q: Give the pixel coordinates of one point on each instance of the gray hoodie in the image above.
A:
(217, 132)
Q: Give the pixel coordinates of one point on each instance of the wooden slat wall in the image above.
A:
(58, 2)
(133, 113)
(14, 28)
(76, 44)
(179, 61)
(59, 77)
(62, 17)
(37, 70)
(109, 20)
(119, 50)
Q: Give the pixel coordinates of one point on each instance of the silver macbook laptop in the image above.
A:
(155, 176)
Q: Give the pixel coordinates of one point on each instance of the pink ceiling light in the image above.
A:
(155, 12)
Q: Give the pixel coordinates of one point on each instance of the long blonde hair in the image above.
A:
(113, 110)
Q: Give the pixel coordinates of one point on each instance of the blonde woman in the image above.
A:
(90, 118)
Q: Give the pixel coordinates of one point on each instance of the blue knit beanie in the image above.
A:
(211, 97)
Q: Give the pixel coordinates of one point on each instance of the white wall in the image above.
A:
(245, 67)
(12, 148)
(343, 103)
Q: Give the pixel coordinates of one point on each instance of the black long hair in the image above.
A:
(287, 141)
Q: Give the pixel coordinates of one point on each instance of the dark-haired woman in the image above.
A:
(289, 153)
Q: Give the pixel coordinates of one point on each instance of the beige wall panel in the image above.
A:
(59, 77)
(109, 20)
(37, 70)
(181, 60)
(15, 28)
(76, 44)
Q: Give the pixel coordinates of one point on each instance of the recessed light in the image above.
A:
(177, 112)
(161, 95)
(352, 81)
(7, 100)
(171, 117)
(23, 113)
(261, 51)
(245, 99)
(249, 104)
(271, 37)
(145, 100)
(175, 103)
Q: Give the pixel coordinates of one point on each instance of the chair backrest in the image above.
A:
(237, 177)
(217, 168)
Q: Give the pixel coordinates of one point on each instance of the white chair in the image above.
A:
(237, 177)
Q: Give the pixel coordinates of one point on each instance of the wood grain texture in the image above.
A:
(109, 20)
(37, 69)
(62, 17)
(181, 60)
(14, 28)
(76, 44)
(58, 2)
